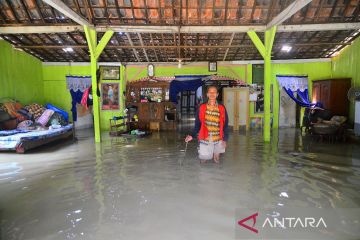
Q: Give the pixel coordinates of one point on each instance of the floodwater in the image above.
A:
(151, 188)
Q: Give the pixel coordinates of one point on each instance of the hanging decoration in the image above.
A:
(76, 83)
(293, 82)
(298, 84)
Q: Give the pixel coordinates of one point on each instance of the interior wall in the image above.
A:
(135, 72)
(55, 91)
(347, 64)
(314, 70)
(20, 75)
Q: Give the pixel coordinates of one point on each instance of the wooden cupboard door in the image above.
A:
(143, 112)
(242, 103)
(339, 100)
(325, 92)
(229, 102)
(316, 92)
(156, 111)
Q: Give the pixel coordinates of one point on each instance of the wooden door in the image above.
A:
(236, 101)
(229, 102)
(339, 100)
(316, 92)
(325, 94)
(242, 107)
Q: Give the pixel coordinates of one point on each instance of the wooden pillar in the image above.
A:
(95, 51)
(265, 51)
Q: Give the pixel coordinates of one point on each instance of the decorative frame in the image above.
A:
(212, 66)
(110, 72)
(110, 96)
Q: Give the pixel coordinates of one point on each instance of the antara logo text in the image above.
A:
(286, 222)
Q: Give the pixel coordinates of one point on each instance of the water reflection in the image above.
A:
(152, 188)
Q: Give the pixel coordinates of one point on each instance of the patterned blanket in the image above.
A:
(10, 142)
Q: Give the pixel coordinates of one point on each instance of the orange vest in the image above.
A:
(203, 133)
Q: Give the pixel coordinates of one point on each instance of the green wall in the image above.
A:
(347, 64)
(314, 70)
(135, 72)
(20, 75)
(55, 91)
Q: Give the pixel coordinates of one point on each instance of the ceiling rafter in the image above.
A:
(227, 49)
(142, 44)
(132, 45)
(152, 43)
(61, 7)
(288, 12)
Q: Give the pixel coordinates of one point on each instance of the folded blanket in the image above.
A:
(44, 118)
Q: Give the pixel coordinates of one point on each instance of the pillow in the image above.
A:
(26, 125)
(44, 118)
(36, 110)
(57, 119)
(25, 113)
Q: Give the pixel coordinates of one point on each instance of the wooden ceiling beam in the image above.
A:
(294, 7)
(132, 46)
(152, 43)
(64, 9)
(142, 44)
(183, 29)
(182, 46)
(227, 49)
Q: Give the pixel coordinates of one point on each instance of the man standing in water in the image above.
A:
(211, 127)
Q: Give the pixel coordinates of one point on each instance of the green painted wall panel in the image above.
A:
(135, 72)
(347, 64)
(54, 80)
(55, 89)
(20, 75)
(314, 70)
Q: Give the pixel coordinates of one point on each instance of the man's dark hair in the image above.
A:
(212, 86)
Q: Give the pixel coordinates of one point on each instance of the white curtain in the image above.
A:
(76, 83)
(293, 82)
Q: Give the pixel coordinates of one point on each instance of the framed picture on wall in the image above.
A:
(212, 66)
(110, 96)
(110, 72)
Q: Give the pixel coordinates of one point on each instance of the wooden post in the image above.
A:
(95, 51)
(265, 51)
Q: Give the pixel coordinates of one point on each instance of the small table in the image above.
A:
(155, 126)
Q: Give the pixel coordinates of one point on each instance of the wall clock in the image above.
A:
(151, 70)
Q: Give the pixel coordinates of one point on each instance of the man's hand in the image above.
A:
(188, 138)
(223, 144)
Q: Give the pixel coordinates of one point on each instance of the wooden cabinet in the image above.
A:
(236, 101)
(150, 111)
(332, 93)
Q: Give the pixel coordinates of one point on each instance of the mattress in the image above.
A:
(10, 142)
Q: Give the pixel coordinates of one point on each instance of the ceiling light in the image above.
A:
(68, 49)
(286, 48)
